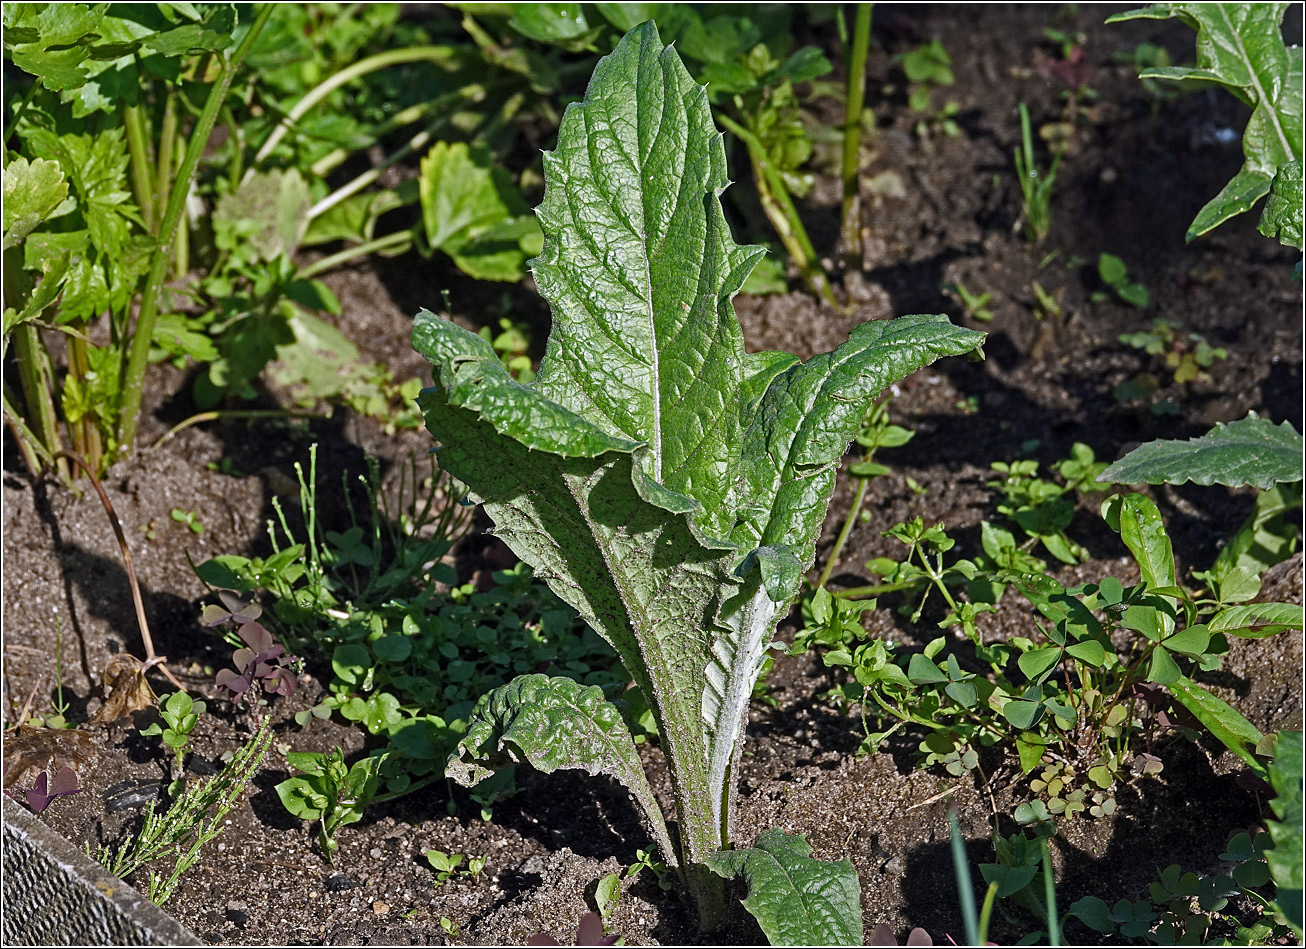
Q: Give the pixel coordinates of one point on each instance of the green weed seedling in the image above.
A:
(1187, 356)
(1111, 269)
(58, 717)
(1043, 509)
(683, 552)
(180, 715)
(449, 865)
(330, 791)
(1080, 710)
(927, 67)
(1035, 186)
(645, 860)
(974, 305)
(875, 432)
(188, 518)
(408, 663)
(607, 894)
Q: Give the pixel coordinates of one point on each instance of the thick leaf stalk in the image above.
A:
(661, 480)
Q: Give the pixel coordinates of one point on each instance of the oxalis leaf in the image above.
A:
(1251, 451)
(796, 899)
(662, 481)
(1240, 47)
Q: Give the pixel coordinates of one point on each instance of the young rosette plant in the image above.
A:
(661, 480)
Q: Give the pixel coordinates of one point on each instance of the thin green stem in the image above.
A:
(163, 168)
(875, 589)
(394, 57)
(35, 455)
(138, 355)
(852, 135)
(34, 377)
(1050, 897)
(847, 529)
(965, 890)
(18, 113)
(393, 242)
(230, 413)
(780, 210)
(237, 135)
(986, 912)
(138, 166)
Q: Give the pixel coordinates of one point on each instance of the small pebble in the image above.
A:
(380, 908)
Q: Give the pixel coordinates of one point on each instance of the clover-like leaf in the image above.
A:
(796, 899)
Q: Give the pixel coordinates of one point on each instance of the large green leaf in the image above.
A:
(1220, 718)
(1285, 858)
(1136, 518)
(796, 899)
(553, 723)
(666, 484)
(1251, 451)
(1257, 620)
(32, 190)
(1240, 47)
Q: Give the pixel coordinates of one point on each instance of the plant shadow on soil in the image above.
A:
(547, 845)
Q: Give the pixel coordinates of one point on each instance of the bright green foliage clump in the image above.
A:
(1067, 696)
(1240, 47)
(330, 791)
(660, 479)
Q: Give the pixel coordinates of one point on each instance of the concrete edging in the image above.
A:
(54, 895)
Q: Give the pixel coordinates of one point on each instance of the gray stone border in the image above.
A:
(54, 895)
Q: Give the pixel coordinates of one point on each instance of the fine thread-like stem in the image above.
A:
(780, 210)
(852, 136)
(138, 355)
(328, 162)
(214, 415)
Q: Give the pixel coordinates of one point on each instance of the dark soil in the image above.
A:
(945, 209)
